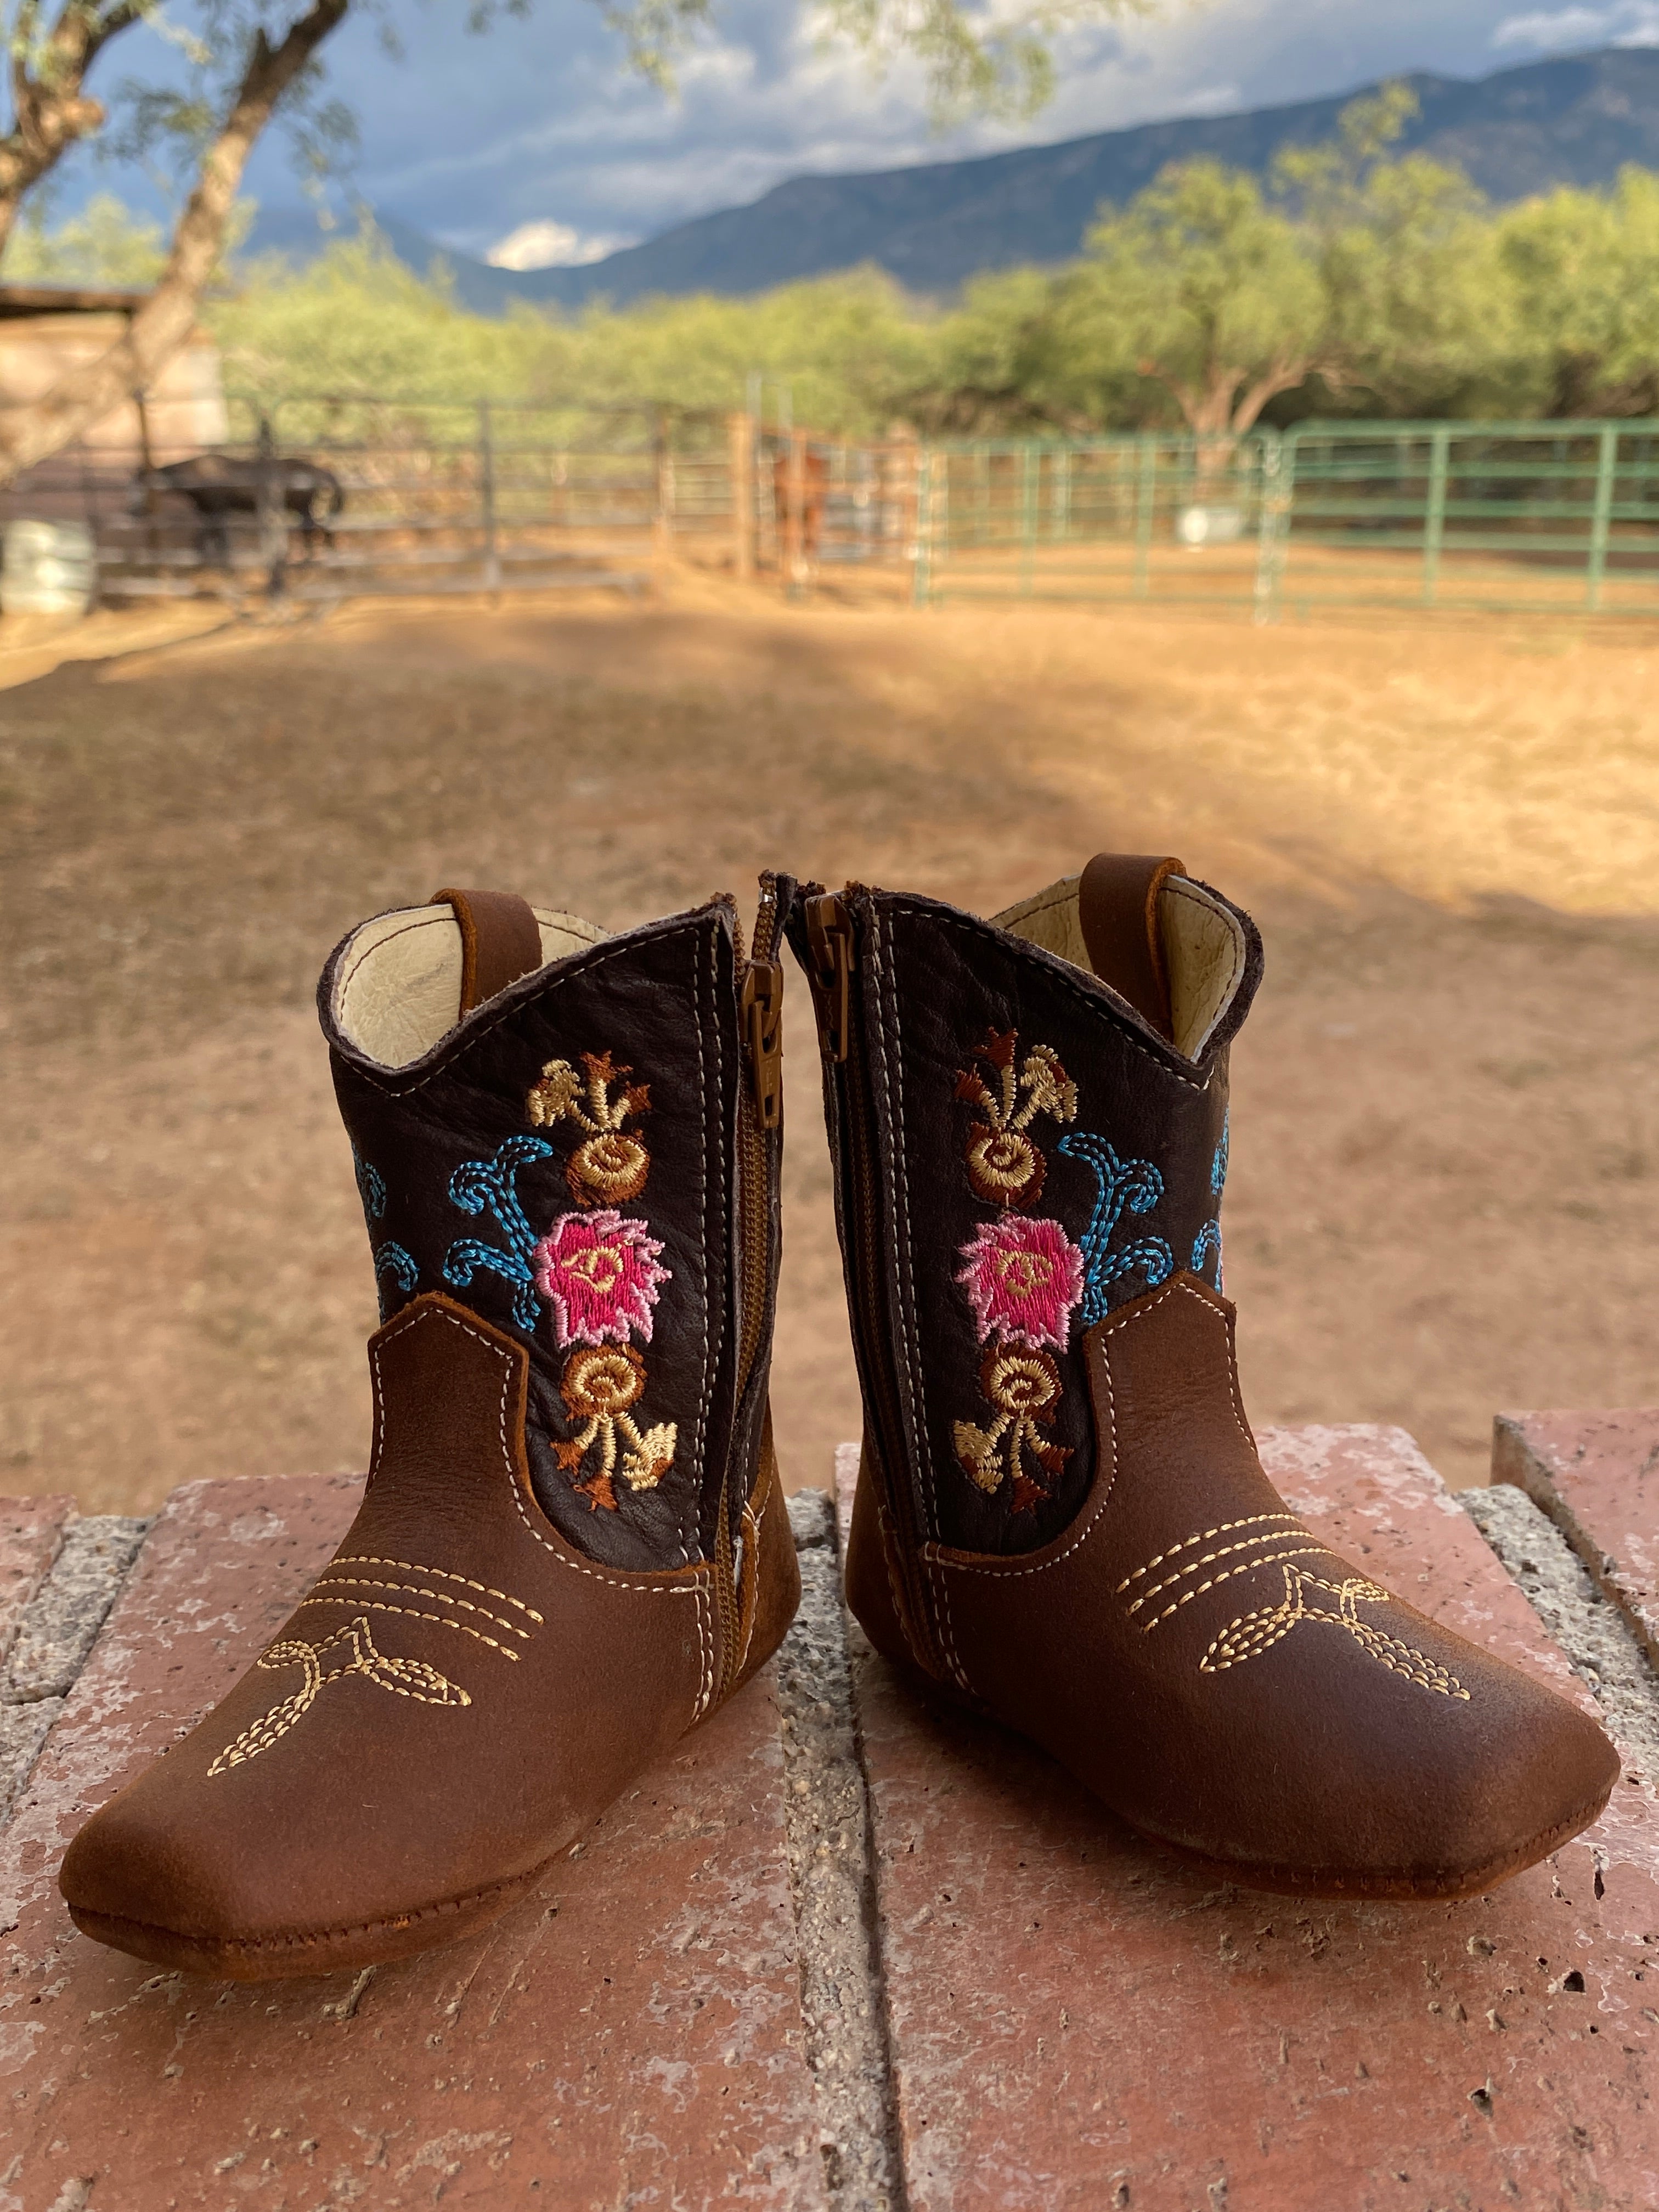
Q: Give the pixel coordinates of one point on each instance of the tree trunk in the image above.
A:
(1209, 408)
(31, 432)
(1219, 413)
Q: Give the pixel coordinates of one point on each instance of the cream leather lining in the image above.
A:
(398, 986)
(1203, 948)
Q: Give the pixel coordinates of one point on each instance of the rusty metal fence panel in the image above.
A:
(463, 495)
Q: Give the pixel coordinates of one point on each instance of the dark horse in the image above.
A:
(218, 486)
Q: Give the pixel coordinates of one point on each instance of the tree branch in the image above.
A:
(1281, 375)
(50, 113)
(31, 432)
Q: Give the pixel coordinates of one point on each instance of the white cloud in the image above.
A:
(1552, 30)
(475, 139)
(1208, 100)
(548, 245)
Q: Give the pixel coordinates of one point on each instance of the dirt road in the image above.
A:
(1445, 1184)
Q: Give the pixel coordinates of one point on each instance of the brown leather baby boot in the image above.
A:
(573, 1545)
(1060, 1515)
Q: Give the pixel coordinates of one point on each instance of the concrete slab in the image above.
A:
(1597, 1477)
(31, 1532)
(630, 2036)
(32, 1535)
(1076, 2020)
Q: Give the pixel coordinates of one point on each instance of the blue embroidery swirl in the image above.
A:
(1134, 1185)
(476, 1185)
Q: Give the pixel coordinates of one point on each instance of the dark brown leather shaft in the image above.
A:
(500, 940)
(1117, 911)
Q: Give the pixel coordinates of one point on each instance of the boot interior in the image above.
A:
(1204, 948)
(398, 987)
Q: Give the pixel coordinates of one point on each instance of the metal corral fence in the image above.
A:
(1552, 517)
(471, 495)
(434, 496)
(491, 495)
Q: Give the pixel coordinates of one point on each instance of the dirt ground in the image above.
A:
(1444, 1196)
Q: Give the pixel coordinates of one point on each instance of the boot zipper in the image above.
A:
(761, 1012)
(832, 945)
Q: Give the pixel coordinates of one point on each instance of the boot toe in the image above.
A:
(159, 1888)
(1395, 1797)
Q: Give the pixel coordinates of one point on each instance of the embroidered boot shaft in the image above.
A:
(1060, 1516)
(573, 1545)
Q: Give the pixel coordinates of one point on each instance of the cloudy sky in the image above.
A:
(532, 142)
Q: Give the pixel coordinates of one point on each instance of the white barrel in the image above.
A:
(1210, 525)
(48, 569)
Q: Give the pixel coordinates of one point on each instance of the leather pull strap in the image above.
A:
(500, 940)
(1117, 911)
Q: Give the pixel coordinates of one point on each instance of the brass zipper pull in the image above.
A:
(829, 941)
(761, 1008)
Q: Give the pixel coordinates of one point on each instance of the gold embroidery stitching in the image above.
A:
(1023, 1386)
(1221, 1528)
(1005, 1168)
(440, 1574)
(1209, 1559)
(332, 1581)
(1269, 1625)
(1244, 1567)
(410, 1612)
(610, 1167)
(601, 1384)
(405, 1678)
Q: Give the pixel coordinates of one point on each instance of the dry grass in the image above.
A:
(1445, 1190)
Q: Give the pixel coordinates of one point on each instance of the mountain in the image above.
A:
(1573, 119)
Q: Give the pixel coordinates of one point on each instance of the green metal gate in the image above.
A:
(1557, 517)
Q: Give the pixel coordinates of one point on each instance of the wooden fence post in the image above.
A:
(663, 530)
(740, 433)
(795, 536)
(273, 519)
(492, 558)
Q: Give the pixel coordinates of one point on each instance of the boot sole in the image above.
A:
(1378, 1884)
(302, 1954)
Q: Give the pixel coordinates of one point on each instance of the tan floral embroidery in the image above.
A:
(1023, 1386)
(407, 1678)
(599, 1274)
(1005, 1168)
(601, 1384)
(609, 1166)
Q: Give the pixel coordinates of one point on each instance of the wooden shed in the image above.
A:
(46, 330)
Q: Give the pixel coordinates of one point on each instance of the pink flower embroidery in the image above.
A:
(1023, 1277)
(599, 1274)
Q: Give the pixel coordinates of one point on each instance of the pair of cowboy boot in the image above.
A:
(573, 1545)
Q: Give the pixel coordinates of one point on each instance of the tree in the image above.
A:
(1417, 306)
(1368, 271)
(1585, 271)
(1002, 365)
(1201, 286)
(255, 59)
